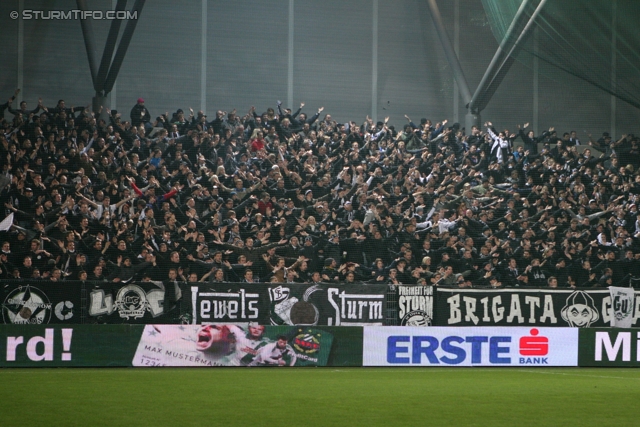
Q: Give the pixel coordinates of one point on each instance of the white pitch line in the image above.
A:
(577, 375)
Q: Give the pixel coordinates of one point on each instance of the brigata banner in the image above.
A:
(609, 347)
(286, 304)
(40, 302)
(179, 345)
(480, 346)
(526, 307)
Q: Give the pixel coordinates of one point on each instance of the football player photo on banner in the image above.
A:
(467, 346)
(232, 345)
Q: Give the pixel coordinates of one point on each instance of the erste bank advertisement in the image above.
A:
(467, 346)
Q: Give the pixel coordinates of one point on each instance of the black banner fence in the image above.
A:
(526, 307)
(286, 304)
(75, 302)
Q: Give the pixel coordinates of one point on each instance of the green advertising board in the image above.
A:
(609, 347)
(179, 345)
(73, 345)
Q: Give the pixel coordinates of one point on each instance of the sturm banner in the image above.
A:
(40, 302)
(343, 305)
(526, 307)
(285, 304)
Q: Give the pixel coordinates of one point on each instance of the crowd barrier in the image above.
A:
(72, 303)
(249, 345)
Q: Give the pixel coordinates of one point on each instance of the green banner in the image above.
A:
(179, 345)
(609, 347)
(74, 345)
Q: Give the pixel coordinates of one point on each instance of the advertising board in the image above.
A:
(482, 346)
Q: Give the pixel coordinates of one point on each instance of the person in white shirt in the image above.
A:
(278, 353)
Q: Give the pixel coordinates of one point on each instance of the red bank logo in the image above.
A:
(534, 345)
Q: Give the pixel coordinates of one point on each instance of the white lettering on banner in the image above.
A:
(470, 307)
(354, 307)
(455, 315)
(485, 309)
(225, 305)
(409, 304)
(515, 310)
(532, 302)
(623, 340)
(40, 348)
(497, 313)
(606, 309)
(415, 305)
(100, 303)
(155, 299)
(548, 311)
(131, 301)
(470, 346)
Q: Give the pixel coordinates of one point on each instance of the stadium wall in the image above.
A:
(322, 54)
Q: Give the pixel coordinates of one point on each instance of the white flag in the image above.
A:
(622, 303)
(7, 222)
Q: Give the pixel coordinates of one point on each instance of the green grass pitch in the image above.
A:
(320, 397)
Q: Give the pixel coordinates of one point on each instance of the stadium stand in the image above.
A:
(282, 196)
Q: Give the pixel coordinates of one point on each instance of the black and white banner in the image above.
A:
(415, 305)
(535, 307)
(286, 304)
(326, 305)
(136, 303)
(227, 303)
(40, 302)
(623, 302)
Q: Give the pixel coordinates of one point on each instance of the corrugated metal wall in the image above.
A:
(247, 62)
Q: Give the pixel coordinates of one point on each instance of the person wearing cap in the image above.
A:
(139, 114)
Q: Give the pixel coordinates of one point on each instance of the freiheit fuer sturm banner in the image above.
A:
(529, 307)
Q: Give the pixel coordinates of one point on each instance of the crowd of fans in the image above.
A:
(280, 196)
